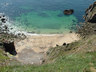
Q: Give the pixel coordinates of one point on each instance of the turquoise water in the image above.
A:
(44, 16)
(46, 22)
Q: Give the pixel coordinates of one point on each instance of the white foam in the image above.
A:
(12, 29)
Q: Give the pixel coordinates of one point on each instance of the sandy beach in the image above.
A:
(33, 49)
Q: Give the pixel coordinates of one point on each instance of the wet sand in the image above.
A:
(32, 50)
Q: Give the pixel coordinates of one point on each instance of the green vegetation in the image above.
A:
(82, 46)
(3, 57)
(76, 57)
(70, 63)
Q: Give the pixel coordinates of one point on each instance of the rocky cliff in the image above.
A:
(8, 35)
(89, 26)
(90, 13)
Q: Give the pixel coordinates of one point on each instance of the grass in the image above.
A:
(69, 63)
(3, 58)
(66, 59)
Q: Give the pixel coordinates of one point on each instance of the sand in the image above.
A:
(33, 49)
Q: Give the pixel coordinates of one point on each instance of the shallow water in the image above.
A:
(46, 22)
(44, 16)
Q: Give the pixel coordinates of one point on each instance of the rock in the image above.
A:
(90, 13)
(67, 45)
(43, 61)
(68, 12)
(47, 53)
(57, 45)
(9, 47)
(89, 26)
(70, 32)
(6, 28)
(3, 20)
(64, 44)
(21, 35)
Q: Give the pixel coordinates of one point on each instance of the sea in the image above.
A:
(44, 16)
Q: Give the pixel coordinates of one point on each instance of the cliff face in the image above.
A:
(89, 26)
(90, 13)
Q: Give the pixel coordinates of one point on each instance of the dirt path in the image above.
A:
(33, 49)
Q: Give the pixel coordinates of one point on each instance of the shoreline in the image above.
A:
(43, 34)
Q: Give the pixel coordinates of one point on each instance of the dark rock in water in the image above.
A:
(3, 20)
(68, 12)
(6, 28)
(90, 13)
(11, 28)
(9, 47)
(3, 15)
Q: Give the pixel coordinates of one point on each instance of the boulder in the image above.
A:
(3, 18)
(68, 12)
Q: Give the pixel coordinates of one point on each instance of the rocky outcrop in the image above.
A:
(90, 14)
(89, 26)
(68, 12)
(7, 28)
(8, 34)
